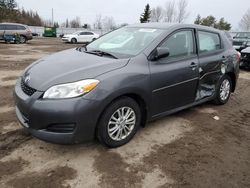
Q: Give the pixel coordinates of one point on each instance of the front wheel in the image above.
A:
(119, 122)
(73, 41)
(223, 90)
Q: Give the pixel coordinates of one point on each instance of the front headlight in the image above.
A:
(70, 90)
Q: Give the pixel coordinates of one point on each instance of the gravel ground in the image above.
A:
(187, 149)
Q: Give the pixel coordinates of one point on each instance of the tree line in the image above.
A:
(173, 11)
(177, 12)
(10, 13)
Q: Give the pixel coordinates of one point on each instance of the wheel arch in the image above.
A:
(233, 79)
(138, 99)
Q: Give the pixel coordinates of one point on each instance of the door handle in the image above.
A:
(193, 65)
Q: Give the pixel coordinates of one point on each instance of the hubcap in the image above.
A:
(121, 123)
(225, 90)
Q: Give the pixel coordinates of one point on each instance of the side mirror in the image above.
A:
(161, 53)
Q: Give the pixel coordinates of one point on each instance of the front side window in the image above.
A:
(180, 44)
(208, 41)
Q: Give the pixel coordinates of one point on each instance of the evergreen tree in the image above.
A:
(145, 16)
(223, 25)
(198, 20)
(210, 21)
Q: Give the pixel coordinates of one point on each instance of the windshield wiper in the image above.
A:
(101, 53)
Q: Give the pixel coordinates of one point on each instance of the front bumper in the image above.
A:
(76, 118)
(66, 39)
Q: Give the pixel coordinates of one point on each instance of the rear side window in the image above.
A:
(20, 27)
(208, 41)
(180, 44)
(11, 27)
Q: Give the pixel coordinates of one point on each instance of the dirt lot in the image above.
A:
(187, 149)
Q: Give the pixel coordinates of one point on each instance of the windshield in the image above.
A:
(243, 35)
(125, 41)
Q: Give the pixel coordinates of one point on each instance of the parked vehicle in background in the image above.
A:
(109, 88)
(80, 37)
(245, 57)
(240, 40)
(14, 28)
(229, 36)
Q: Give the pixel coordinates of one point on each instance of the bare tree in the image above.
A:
(245, 21)
(109, 23)
(170, 12)
(156, 14)
(98, 22)
(182, 13)
(75, 23)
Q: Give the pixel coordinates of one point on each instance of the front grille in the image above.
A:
(26, 89)
(61, 128)
(237, 43)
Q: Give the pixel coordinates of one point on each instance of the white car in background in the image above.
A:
(80, 36)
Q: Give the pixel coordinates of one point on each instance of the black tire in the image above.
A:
(93, 39)
(219, 100)
(23, 39)
(102, 129)
(73, 41)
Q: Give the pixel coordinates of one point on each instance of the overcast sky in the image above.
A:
(128, 11)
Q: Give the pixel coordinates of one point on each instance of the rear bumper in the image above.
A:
(76, 118)
(29, 37)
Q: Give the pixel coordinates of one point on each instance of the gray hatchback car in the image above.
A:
(117, 83)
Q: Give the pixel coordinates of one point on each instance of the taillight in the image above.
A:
(28, 30)
(238, 56)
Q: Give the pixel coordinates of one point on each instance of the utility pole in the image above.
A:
(52, 17)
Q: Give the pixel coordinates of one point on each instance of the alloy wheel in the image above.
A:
(121, 123)
(225, 90)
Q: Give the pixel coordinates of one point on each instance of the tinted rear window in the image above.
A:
(11, 27)
(20, 27)
(2, 27)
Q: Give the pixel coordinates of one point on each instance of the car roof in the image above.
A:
(9, 23)
(167, 26)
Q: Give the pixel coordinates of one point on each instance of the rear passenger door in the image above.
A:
(211, 58)
(10, 29)
(174, 79)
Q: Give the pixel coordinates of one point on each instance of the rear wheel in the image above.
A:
(119, 122)
(73, 41)
(223, 90)
(23, 39)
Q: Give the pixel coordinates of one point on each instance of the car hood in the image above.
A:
(68, 66)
